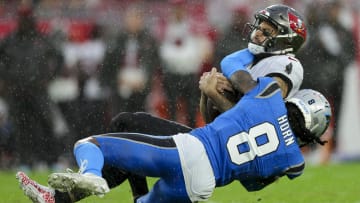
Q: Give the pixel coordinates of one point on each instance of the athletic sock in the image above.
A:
(89, 158)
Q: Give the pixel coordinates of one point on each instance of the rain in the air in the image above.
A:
(158, 101)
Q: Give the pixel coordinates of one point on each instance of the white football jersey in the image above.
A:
(286, 65)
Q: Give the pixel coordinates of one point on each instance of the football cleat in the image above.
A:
(75, 182)
(36, 192)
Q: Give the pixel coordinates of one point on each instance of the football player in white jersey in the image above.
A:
(276, 35)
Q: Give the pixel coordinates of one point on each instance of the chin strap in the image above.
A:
(255, 49)
(258, 49)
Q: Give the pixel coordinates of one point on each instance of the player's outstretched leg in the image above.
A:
(76, 182)
(36, 192)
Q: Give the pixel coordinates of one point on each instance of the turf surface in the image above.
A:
(336, 183)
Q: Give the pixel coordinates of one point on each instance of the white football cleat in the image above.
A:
(86, 183)
(36, 192)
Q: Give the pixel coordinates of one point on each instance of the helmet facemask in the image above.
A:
(267, 44)
(297, 122)
(291, 31)
(309, 115)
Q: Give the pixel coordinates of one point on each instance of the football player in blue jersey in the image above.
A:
(276, 35)
(251, 142)
(288, 79)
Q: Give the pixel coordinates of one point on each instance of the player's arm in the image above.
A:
(242, 81)
(209, 109)
(237, 80)
(236, 61)
(283, 86)
(234, 66)
(203, 108)
(212, 85)
(288, 72)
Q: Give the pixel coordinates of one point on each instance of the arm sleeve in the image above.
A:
(238, 60)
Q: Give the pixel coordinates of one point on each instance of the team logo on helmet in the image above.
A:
(297, 25)
(265, 12)
(288, 68)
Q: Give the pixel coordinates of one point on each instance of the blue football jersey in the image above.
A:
(252, 142)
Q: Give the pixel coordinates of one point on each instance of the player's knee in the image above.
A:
(124, 121)
(141, 114)
(86, 140)
(119, 122)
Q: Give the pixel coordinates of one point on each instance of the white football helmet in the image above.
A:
(316, 112)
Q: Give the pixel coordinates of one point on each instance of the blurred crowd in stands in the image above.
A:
(67, 67)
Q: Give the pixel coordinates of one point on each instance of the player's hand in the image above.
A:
(208, 82)
(223, 83)
(214, 81)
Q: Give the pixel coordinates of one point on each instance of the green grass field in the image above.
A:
(336, 183)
